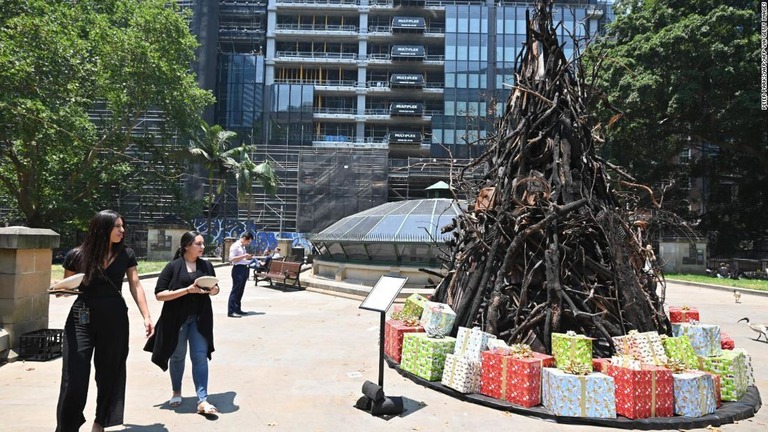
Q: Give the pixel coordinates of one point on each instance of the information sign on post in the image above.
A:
(380, 299)
(383, 293)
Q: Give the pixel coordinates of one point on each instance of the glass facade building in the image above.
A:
(321, 87)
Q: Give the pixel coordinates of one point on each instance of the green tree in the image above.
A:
(77, 82)
(685, 74)
(212, 148)
(247, 172)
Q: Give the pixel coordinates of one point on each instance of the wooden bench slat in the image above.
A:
(282, 271)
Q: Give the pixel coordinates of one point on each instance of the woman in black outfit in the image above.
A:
(187, 317)
(98, 322)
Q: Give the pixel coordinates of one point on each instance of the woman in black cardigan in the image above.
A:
(187, 317)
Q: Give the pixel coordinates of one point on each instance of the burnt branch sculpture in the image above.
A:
(547, 246)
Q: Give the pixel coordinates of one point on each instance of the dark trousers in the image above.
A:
(105, 338)
(239, 279)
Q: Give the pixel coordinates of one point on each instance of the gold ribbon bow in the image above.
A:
(520, 351)
(576, 368)
(410, 322)
(676, 366)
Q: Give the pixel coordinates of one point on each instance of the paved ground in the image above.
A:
(298, 362)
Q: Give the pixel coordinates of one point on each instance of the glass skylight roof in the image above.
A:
(413, 221)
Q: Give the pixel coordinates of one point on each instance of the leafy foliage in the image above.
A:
(213, 148)
(681, 74)
(77, 82)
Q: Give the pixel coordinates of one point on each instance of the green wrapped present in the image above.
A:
(732, 368)
(425, 356)
(414, 306)
(680, 349)
(571, 348)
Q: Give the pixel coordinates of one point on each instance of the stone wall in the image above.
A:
(25, 275)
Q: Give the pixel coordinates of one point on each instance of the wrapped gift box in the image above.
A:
(396, 309)
(471, 342)
(599, 364)
(461, 374)
(694, 394)
(498, 345)
(705, 338)
(646, 347)
(414, 306)
(625, 361)
(731, 366)
(514, 379)
(680, 349)
(750, 371)
(570, 347)
(394, 331)
(682, 314)
(571, 395)
(424, 356)
(718, 388)
(437, 318)
(642, 392)
(726, 342)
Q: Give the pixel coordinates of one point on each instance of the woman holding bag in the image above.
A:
(186, 318)
(98, 323)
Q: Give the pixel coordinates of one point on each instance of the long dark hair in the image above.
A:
(95, 249)
(186, 239)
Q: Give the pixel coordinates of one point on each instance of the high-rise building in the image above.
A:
(359, 102)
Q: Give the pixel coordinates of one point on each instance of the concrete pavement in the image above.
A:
(298, 362)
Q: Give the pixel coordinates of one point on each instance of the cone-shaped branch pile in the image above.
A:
(547, 247)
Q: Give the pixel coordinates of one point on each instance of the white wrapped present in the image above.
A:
(470, 343)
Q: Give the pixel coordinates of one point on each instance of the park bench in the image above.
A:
(280, 271)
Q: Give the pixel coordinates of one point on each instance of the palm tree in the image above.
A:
(211, 147)
(247, 171)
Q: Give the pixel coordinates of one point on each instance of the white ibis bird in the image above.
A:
(761, 329)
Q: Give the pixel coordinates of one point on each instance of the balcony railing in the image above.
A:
(316, 28)
(319, 83)
(318, 56)
(329, 3)
(345, 111)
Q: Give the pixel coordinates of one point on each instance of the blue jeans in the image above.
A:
(198, 353)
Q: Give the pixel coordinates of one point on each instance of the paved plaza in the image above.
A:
(298, 362)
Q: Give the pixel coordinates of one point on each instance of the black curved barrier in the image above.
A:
(729, 412)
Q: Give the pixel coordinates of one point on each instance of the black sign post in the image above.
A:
(380, 299)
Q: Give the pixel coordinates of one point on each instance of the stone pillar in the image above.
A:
(25, 275)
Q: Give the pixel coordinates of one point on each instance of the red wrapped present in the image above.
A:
(683, 314)
(394, 331)
(642, 393)
(512, 378)
(726, 342)
(599, 364)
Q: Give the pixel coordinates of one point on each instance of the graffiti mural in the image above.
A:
(262, 240)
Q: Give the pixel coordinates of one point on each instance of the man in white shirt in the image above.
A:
(277, 254)
(240, 258)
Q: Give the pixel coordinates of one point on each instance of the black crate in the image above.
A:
(41, 345)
